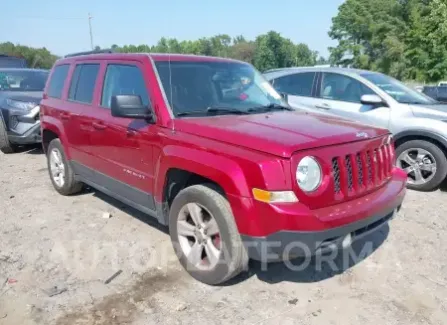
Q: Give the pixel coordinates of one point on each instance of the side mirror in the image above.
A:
(285, 97)
(371, 100)
(130, 106)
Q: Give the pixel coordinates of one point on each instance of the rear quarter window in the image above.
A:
(56, 83)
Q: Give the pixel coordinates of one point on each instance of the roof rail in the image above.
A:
(90, 52)
(275, 70)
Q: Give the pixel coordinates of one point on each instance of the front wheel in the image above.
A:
(5, 146)
(204, 235)
(424, 162)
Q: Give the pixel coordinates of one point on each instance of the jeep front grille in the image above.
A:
(355, 173)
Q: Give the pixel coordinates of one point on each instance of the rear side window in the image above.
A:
(299, 84)
(57, 80)
(123, 79)
(83, 83)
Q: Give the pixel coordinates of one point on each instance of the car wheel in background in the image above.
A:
(5, 146)
(424, 162)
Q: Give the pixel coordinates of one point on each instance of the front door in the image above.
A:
(124, 146)
(340, 95)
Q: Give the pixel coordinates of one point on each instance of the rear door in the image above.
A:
(80, 99)
(300, 88)
(340, 95)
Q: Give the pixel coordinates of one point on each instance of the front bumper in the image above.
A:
(275, 232)
(284, 245)
(22, 128)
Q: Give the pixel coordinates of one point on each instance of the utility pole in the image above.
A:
(90, 28)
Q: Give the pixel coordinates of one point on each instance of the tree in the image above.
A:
(35, 57)
(275, 51)
(267, 51)
(403, 38)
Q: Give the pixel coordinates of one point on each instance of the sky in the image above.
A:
(63, 27)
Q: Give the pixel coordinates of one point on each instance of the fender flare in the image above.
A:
(222, 170)
(56, 128)
(421, 133)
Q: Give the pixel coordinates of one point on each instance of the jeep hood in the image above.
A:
(278, 133)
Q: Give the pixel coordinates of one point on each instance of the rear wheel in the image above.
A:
(424, 162)
(61, 173)
(205, 236)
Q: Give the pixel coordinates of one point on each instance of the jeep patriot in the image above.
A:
(207, 147)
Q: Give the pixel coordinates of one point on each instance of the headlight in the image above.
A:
(19, 105)
(308, 174)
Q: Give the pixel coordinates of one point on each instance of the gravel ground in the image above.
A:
(56, 253)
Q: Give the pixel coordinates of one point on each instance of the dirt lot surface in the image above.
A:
(56, 252)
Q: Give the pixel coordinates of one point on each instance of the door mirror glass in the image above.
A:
(130, 106)
(371, 100)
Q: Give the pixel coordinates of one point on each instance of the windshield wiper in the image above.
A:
(212, 110)
(220, 109)
(271, 107)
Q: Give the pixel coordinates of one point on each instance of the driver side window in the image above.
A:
(339, 87)
(123, 79)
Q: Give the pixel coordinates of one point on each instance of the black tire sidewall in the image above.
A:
(221, 271)
(440, 159)
(5, 146)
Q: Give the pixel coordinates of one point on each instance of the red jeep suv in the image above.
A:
(210, 149)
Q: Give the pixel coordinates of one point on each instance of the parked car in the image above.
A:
(417, 122)
(230, 173)
(438, 93)
(20, 94)
(8, 61)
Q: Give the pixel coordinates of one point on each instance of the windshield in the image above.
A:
(215, 86)
(398, 90)
(22, 80)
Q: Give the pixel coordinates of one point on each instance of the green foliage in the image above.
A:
(35, 57)
(268, 51)
(403, 38)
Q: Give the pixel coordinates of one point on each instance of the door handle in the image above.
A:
(99, 125)
(323, 106)
(65, 116)
(131, 133)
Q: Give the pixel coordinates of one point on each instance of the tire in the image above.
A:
(69, 186)
(439, 158)
(233, 258)
(5, 146)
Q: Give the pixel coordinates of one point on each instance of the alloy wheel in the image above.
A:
(199, 236)
(419, 164)
(57, 167)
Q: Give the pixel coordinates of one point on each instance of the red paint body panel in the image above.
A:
(237, 152)
(259, 219)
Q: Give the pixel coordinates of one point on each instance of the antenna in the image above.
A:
(90, 28)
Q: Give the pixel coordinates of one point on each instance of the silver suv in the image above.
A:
(419, 123)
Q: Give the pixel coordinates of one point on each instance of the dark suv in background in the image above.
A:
(8, 61)
(21, 91)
